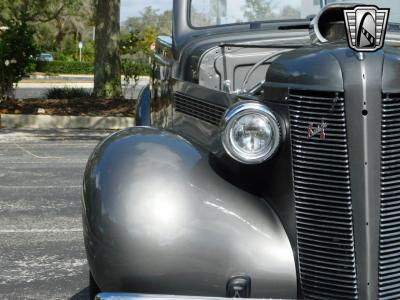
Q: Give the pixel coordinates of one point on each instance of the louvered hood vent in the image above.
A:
(199, 109)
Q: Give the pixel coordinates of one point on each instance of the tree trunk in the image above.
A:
(107, 69)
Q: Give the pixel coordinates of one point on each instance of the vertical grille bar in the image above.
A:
(389, 244)
(323, 196)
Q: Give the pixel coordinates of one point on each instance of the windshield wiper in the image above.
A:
(296, 26)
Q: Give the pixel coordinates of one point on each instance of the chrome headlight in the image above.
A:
(251, 133)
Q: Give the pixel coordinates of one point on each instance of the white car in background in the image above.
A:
(45, 57)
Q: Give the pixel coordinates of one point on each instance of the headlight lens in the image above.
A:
(251, 133)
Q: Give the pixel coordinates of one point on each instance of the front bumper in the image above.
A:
(124, 296)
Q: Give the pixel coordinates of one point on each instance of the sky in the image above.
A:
(130, 8)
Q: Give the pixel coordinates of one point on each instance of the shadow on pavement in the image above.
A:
(82, 295)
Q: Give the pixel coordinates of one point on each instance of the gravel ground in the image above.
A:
(42, 254)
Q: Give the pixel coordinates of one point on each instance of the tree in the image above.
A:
(289, 12)
(75, 22)
(107, 69)
(257, 10)
(34, 11)
(17, 50)
(52, 20)
(150, 17)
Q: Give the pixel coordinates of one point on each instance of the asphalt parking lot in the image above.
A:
(42, 254)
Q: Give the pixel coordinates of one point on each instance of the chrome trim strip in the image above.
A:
(126, 296)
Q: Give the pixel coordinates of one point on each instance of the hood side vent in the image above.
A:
(199, 109)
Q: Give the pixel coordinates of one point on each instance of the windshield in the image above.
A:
(205, 13)
(394, 6)
(223, 12)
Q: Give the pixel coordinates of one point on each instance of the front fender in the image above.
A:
(158, 219)
(143, 108)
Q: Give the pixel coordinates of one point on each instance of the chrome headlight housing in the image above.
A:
(251, 133)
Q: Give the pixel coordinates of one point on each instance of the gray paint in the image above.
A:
(158, 219)
(333, 67)
(363, 91)
(134, 168)
(309, 68)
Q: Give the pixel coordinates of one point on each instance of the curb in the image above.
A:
(9, 121)
(69, 77)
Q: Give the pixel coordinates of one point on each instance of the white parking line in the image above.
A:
(40, 187)
(3, 231)
(37, 145)
(36, 156)
(63, 161)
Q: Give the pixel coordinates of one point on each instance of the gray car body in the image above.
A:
(158, 219)
(167, 211)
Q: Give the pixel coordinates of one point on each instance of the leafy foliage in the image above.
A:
(290, 13)
(67, 93)
(35, 11)
(132, 70)
(257, 10)
(138, 33)
(58, 24)
(129, 67)
(64, 67)
(17, 51)
(162, 22)
(138, 42)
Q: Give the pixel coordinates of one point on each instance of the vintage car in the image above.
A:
(265, 162)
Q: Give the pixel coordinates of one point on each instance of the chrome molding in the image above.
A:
(124, 296)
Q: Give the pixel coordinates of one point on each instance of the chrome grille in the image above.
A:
(199, 109)
(389, 246)
(323, 196)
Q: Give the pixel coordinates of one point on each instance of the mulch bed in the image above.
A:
(69, 107)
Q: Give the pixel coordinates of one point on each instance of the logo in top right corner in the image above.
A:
(366, 27)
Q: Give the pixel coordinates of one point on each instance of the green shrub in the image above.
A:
(132, 70)
(64, 67)
(67, 93)
(129, 68)
(17, 50)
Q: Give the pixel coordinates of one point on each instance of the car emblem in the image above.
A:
(366, 27)
(319, 129)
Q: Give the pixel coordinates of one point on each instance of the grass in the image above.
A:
(67, 93)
